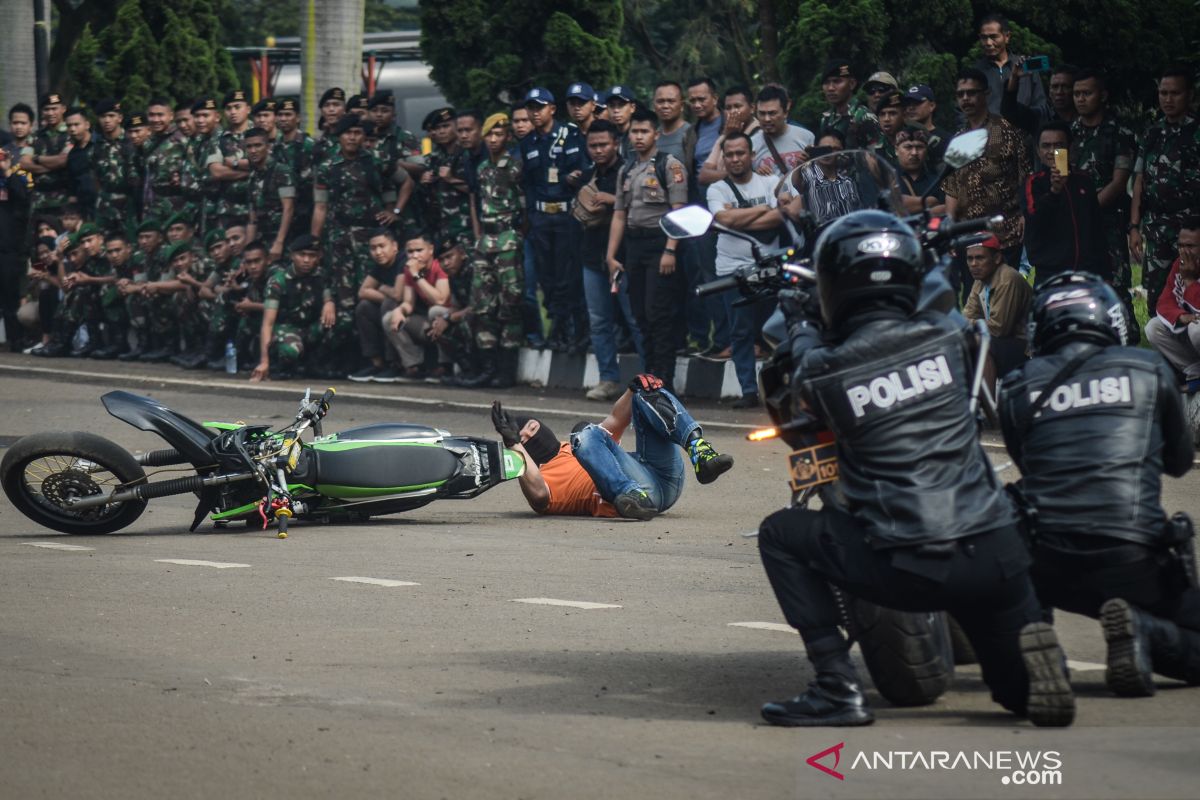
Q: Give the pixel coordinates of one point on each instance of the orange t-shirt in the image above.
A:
(572, 490)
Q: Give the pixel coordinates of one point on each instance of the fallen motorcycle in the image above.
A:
(81, 483)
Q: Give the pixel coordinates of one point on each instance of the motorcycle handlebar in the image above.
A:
(719, 285)
(326, 399)
(950, 230)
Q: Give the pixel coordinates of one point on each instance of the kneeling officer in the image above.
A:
(926, 525)
(1093, 424)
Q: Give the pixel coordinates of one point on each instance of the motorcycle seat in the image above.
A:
(394, 467)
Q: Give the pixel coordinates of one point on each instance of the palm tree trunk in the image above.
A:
(331, 42)
(18, 81)
(768, 34)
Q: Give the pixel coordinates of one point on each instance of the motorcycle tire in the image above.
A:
(964, 653)
(908, 654)
(58, 473)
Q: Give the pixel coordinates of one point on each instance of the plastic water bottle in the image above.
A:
(230, 357)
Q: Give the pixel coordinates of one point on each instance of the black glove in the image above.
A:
(506, 426)
(645, 382)
(799, 306)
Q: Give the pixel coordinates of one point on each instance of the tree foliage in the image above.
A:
(489, 53)
(151, 49)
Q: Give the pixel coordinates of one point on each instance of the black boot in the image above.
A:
(1130, 672)
(1050, 703)
(506, 370)
(485, 373)
(113, 341)
(94, 341)
(581, 336)
(163, 352)
(214, 352)
(59, 338)
(1172, 648)
(831, 700)
(558, 341)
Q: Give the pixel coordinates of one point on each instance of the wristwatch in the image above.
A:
(667, 251)
(397, 211)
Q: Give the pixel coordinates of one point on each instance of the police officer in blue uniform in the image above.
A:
(555, 156)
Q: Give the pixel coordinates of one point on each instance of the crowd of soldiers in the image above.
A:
(203, 227)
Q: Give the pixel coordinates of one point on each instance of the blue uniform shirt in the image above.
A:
(549, 158)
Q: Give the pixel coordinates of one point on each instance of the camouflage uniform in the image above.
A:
(353, 190)
(113, 306)
(226, 324)
(144, 267)
(82, 303)
(298, 154)
(111, 159)
(1169, 160)
(400, 145)
(858, 125)
(498, 287)
(298, 332)
(175, 314)
(447, 208)
(51, 189)
(1099, 151)
(268, 188)
(165, 156)
(233, 204)
(201, 185)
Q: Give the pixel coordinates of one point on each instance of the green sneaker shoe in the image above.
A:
(708, 463)
(635, 504)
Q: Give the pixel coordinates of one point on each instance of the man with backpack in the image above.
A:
(647, 188)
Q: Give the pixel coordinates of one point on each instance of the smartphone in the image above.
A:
(1062, 161)
(1037, 64)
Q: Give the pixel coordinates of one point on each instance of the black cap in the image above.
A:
(356, 102)
(289, 104)
(205, 104)
(383, 97)
(305, 241)
(109, 105)
(346, 123)
(437, 117)
(836, 68)
(890, 100)
(51, 98)
(236, 96)
(266, 104)
(136, 120)
(336, 93)
(368, 127)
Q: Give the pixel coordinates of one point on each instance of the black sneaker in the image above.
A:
(1051, 702)
(635, 504)
(829, 701)
(746, 401)
(708, 463)
(365, 374)
(1129, 673)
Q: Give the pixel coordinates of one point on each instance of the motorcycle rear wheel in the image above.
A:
(908, 654)
(42, 471)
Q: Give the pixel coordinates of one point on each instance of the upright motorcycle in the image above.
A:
(910, 655)
(81, 483)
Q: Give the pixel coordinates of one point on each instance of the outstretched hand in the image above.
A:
(645, 382)
(505, 425)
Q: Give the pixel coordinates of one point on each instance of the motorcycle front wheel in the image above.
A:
(43, 472)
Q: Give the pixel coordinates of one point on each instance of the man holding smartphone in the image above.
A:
(998, 64)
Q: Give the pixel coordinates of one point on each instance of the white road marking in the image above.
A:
(188, 562)
(1085, 666)
(764, 626)
(56, 546)
(375, 581)
(549, 601)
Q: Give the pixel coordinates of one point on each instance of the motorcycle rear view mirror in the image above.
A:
(687, 222)
(965, 148)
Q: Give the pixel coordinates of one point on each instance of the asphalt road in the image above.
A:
(125, 676)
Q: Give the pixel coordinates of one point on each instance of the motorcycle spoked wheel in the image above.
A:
(908, 654)
(41, 472)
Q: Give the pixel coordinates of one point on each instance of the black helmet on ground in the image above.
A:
(867, 257)
(1076, 307)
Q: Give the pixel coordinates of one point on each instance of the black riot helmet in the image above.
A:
(1076, 307)
(867, 256)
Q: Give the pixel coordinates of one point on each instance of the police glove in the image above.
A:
(506, 426)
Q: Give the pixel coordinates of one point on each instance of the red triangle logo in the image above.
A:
(836, 750)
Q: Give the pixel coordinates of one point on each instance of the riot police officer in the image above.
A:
(926, 525)
(1093, 424)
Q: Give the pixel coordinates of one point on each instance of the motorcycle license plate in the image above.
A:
(813, 466)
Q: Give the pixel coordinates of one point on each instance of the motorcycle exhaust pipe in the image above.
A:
(149, 491)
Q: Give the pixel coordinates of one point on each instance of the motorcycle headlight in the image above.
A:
(293, 456)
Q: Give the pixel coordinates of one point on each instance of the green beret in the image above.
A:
(172, 250)
(214, 236)
(149, 224)
(175, 219)
(89, 229)
(73, 242)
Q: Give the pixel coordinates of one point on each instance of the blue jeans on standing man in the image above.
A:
(742, 335)
(602, 314)
(656, 467)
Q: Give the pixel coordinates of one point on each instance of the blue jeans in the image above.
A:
(700, 266)
(530, 312)
(742, 335)
(602, 313)
(656, 467)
